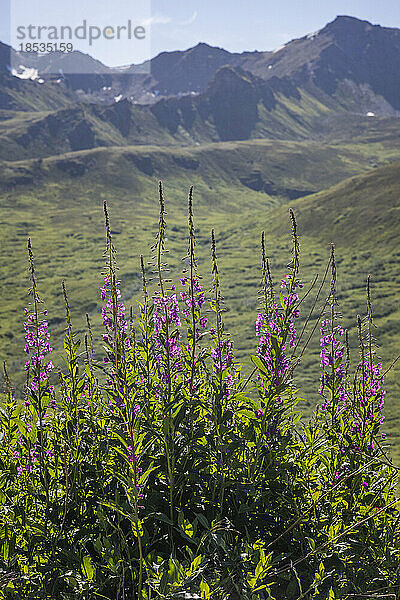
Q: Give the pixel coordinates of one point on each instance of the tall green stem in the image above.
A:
(192, 260)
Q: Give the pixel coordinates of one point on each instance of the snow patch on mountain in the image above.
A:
(25, 72)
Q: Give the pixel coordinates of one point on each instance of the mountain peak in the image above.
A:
(202, 47)
(346, 23)
(348, 19)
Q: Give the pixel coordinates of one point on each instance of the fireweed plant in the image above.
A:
(155, 469)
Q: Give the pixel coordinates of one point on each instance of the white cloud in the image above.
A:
(157, 20)
(190, 20)
(164, 20)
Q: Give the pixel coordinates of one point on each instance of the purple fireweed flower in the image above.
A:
(332, 351)
(289, 283)
(198, 298)
(290, 299)
(259, 323)
(29, 459)
(37, 346)
(368, 387)
(271, 329)
(222, 355)
(203, 322)
(166, 318)
(116, 324)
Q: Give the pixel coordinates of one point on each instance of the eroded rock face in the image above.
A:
(120, 115)
(233, 98)
(72, 167)
(143, 163)
(363, 53)
(186, 162)
(81, 136)
(256, 181)
(172, 112)
(230, 103)
(190, 70)
(347, 49)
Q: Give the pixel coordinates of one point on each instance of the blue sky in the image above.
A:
(258, 24)
(236, 25)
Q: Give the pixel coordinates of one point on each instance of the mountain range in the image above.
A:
(346, 50)
(314, 123)
(312, 86)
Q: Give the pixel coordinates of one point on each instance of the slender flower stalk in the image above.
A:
(192, 261)
(38, 388)
(146, 327)
(116, 336)
(275, 326)
(71, 348)
(267, 283)
(222, 354)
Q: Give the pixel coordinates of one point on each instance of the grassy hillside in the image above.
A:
(235, 106)
(58, 202)
(272, 167)
(26, 95)
(361, 216)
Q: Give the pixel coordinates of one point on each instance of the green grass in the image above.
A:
(25, 95)
(63, 215)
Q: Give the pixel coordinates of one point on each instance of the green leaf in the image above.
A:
(311, 543)
(259, 363)
(88, 567)
(118, 510)
(204, 590)
(195, 564)
(201, 518)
